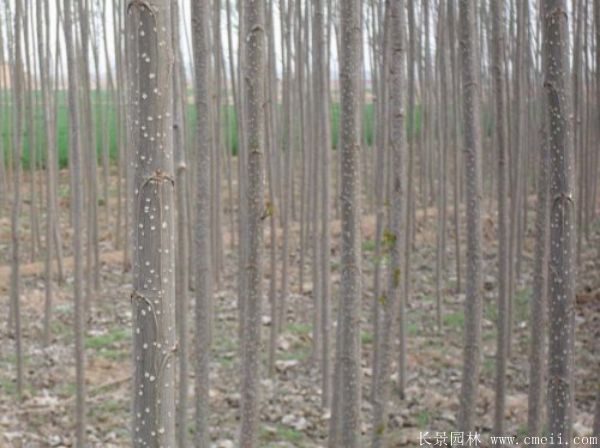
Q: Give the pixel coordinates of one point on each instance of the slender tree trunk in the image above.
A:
(31, 138)
(442, 168)
(77, 211)
(150, 125)
(561, 269)
(497, 10)
(270, 147)
(15, 278)
(88, 141)
(472, 150)
(455, 139)
(516, 166)
(182, 271)
(410, 215)
(218, 125)
(299, 61)
(382, 144)
(287, 148)
(539, 305)
(537, 363)
(203, 256)
(42, 43)
(395, 237)
(57, 238)
(108, 123)
(322, 150)
(254, 22)
(351, 283)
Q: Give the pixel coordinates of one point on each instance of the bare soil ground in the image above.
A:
(291, 414)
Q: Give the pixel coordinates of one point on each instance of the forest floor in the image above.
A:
(291, 413)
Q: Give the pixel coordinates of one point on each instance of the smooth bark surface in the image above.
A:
(254, 71)
(351, 284)
(472, 150)
(202, 234)
(150, 125)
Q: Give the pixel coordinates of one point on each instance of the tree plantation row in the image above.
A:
(301, 223)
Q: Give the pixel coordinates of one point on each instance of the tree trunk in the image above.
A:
(203, 256)
(322, 149)
(15, 278)
(182, 271)
(394, 238)
(472, 150)
(77, 211)
(561, 264)
(254, 22)
(48, 131)
(539, 305)
(351, 283)
(153, 298)
(381, 141)
(497, 10)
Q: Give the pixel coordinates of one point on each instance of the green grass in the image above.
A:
(109, 407)
(225, 343)
(66, 389)
(108, 134)
(282, 433)
(489, 366)
(522, 430)
(454, 320)
(366, 337)
(59, 329)
(301, 354)
(413, 328)
(368, 245)
(423, 418)
(8, 387)
(298, 328)
(108, 345)
(106, 340)
(522, 303)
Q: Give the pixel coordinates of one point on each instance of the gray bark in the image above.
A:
(322, 148)
(410, 215)
(351, 284)
(497, 10)
(48, 130)
(270, 147)
(395, 236)
(455, 138)
(382, 145)
(286, 202)
(561, 269)
(150, 122)
(203, 256)
(15, 278)
(182, 271)
(77, 211)
(32, 137)
(472, 150)
(539, 305)
(254, 22)
(517, 152)
(442, 167)
(88, 148)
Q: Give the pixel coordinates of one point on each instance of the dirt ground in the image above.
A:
(291, 413)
